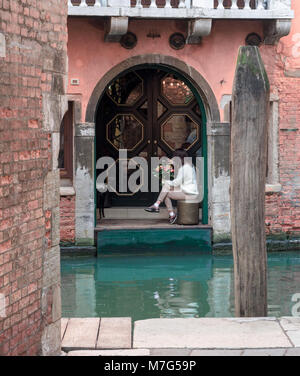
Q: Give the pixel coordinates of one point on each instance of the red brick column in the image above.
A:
(33, 39)
(283, 208)
(67, 219)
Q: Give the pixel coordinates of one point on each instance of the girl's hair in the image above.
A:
(180, 153)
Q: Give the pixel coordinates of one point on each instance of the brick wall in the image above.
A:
(67, 219)
(32, 102)
(283, 208)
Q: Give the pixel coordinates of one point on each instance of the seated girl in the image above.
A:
(183, 187)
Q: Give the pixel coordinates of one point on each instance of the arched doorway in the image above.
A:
(201, 90)
(149, 111)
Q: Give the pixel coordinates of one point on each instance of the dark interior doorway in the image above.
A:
(149, 112)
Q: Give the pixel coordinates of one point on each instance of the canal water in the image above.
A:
(172, 285)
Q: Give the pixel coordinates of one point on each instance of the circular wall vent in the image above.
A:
(177, 41)
(128, 41)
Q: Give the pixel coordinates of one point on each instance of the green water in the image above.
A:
(152, 286)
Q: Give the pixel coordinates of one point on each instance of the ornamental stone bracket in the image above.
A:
(197, 29)
(118, 26)
(276, 29)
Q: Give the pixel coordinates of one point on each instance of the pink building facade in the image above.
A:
(99, 54)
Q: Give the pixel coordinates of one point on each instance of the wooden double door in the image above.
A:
(150, 113)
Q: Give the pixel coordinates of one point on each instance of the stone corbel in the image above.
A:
(197, 29)
(118, 26)
(276, 29)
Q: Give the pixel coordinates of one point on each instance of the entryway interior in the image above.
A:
(151, 112)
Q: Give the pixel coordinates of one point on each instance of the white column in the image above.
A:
(234, 4)
(260, 4)
(247, 4)
(181, 4)
(168, 4)
(139, 4)
(83, 3)
(153, 4)
(188, 4)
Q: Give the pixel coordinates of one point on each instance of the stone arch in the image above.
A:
(191, 74)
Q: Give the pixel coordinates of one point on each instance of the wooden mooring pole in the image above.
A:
(250, 102)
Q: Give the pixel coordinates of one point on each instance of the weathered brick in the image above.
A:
(24, 164)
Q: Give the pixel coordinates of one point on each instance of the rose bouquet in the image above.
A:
(164, 172)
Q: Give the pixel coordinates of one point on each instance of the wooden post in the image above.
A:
(248, 177)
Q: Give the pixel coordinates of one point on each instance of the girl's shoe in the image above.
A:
(172, 219)
(152, 209)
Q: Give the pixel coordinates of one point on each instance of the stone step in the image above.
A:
(81, 333)
(210, 333)
(121, 352)
(267, 336)
(136, 213)
(115, 333)
(94, 333)
(144, 237)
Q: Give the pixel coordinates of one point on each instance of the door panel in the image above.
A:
(149, 113)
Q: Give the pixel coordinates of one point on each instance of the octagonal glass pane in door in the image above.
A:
(179, 131)
(124, 132)
(176, 91)
(126, 90)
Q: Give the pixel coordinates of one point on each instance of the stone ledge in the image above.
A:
(73, 250)
(218, 129)
(273, 188)
(211, 333)
(67, 191)
(185, 13)
(266, 336)
(186, 352)
(121, 352)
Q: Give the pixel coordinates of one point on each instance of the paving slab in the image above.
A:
(290, 323)
(210, 333)
(170, 352)
(129, 352)
(81, 333)
(64, 323)
(115, 333)
(293, 352)
(264, 352)
(216, 352)
(294, 337)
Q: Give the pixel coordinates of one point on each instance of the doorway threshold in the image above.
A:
(134, 213)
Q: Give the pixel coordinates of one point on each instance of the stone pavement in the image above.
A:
(181, 337)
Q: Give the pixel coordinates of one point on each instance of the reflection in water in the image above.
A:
(168, 286)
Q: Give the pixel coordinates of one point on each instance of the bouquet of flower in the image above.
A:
(164, 172)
